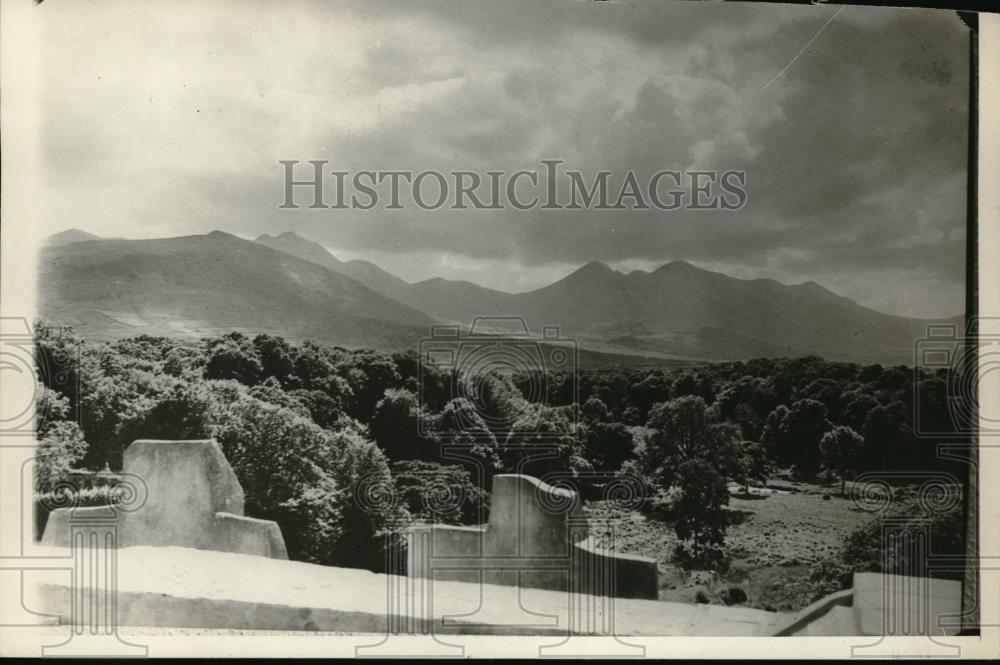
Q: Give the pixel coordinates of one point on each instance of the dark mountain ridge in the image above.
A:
(293, 286)
(208, 284)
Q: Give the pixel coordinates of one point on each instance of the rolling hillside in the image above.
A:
(69, 236)
(208, 284)
(677, 311)
(286, 284)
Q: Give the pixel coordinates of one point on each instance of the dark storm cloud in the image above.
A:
(855, 155)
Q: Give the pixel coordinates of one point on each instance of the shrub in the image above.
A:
(863, 551)
(734, 595)
(51, 499)
(59, 449)
(60, 442)
(713, 558)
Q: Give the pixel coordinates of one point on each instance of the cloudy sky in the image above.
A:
(169, 118)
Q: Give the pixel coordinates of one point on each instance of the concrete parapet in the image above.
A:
(186, 494)
(537, 537)
(175, 586)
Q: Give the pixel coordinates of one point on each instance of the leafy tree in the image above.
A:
(763, 401)
(594, 410)
(699, 385)
(561, 388)
(543, 440)
(895, 378)
(685, 429)
(439, 493)
(632, 416)
(870, 373)
(181, 413)
(800, 430)
(681, 427)
(313, 368)
(435, 388)
(840, 449)
(183, 360)
(371, 374)
(466, 439)
(606, 445)
(933, 414)
(461, 415)
(395, 427)
(887, 435)
(65, 363)
(604, 392)
(771, 435)
(234, 356)
(684, 385)
(109, 407)
(497, 399)
(60, 442)
(746, 419)
(277, 357)
(270, 391)
(407, 364)
(751, 464)
(701, 513)
(303, 477)
(652, 388)
(826, 391)
(857, 410)
(325, 411)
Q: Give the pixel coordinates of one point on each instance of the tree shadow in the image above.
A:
(736, 516)
(745, 496)
(784, 488)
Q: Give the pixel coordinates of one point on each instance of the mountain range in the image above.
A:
(208, 284)
(69, 236)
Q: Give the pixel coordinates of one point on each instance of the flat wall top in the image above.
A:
(240, 588)
(540, 485)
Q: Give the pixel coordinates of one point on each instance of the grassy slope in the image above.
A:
(775, 537)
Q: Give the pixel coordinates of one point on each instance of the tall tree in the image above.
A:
(684, 429)
(701, 508)
(801, 429)
(840, 450)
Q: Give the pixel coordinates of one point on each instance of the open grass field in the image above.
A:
(775, 536)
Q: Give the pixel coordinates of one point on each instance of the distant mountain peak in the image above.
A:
(284, 235)
(816, 290)
(222, 234)
(292, 243)
(595, 268)
(677, 266)
(68, 236)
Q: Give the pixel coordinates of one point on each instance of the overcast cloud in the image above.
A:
(170, 118)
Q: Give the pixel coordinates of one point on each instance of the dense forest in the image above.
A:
(303, 425)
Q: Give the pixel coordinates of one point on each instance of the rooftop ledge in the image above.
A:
(190, 588)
